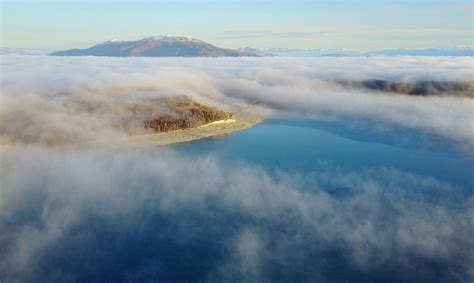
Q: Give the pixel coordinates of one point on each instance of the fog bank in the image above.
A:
(56, 98)
(139, 215)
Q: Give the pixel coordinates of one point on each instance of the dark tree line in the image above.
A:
(185, 114)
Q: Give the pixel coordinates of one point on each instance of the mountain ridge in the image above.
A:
(436, 51)
(180, 46)
(23, 51)
(155, 46)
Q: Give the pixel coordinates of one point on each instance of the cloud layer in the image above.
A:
(150, 215)
(46, 98)
(70, 215)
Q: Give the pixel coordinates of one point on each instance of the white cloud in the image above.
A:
(253, 226)
(60, 208)
(39, 95)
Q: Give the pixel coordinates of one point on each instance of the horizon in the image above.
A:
(359, 26)
(270, 49)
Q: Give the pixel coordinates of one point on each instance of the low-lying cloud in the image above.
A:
(42, 96)
(159, 215)
(91, 215)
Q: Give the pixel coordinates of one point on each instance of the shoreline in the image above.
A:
(236, 123)
(213, 129)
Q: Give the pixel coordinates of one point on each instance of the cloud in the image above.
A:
(140, 214)
(146, 215)
(43, 97)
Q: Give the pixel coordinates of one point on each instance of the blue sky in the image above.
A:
(351, 24)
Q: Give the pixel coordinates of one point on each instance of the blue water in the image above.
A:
(307, 146)
(134, 222)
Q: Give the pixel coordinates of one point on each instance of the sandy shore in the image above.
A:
(217, 128)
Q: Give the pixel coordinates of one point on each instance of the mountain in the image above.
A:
(155, 46)
(441, 51)
(23, 51)
(255, 51)
(310, 52)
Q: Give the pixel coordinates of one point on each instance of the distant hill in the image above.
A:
(155, 46)
(256, 51)
(423, 88)
(23, 51)
(178, 46)
(441, 51)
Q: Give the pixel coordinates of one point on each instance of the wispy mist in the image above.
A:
(72, 215)
(49, 99)
(221, 221)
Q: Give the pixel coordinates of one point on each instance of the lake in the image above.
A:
(285, 201)
(305, 146)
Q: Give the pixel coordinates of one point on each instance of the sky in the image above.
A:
(357, 25)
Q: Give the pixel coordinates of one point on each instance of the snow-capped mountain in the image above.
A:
(310, 52)
(255, 51)
(441, 51)
(155, 46)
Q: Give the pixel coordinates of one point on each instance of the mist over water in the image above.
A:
(61, 99)
(337, 185)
